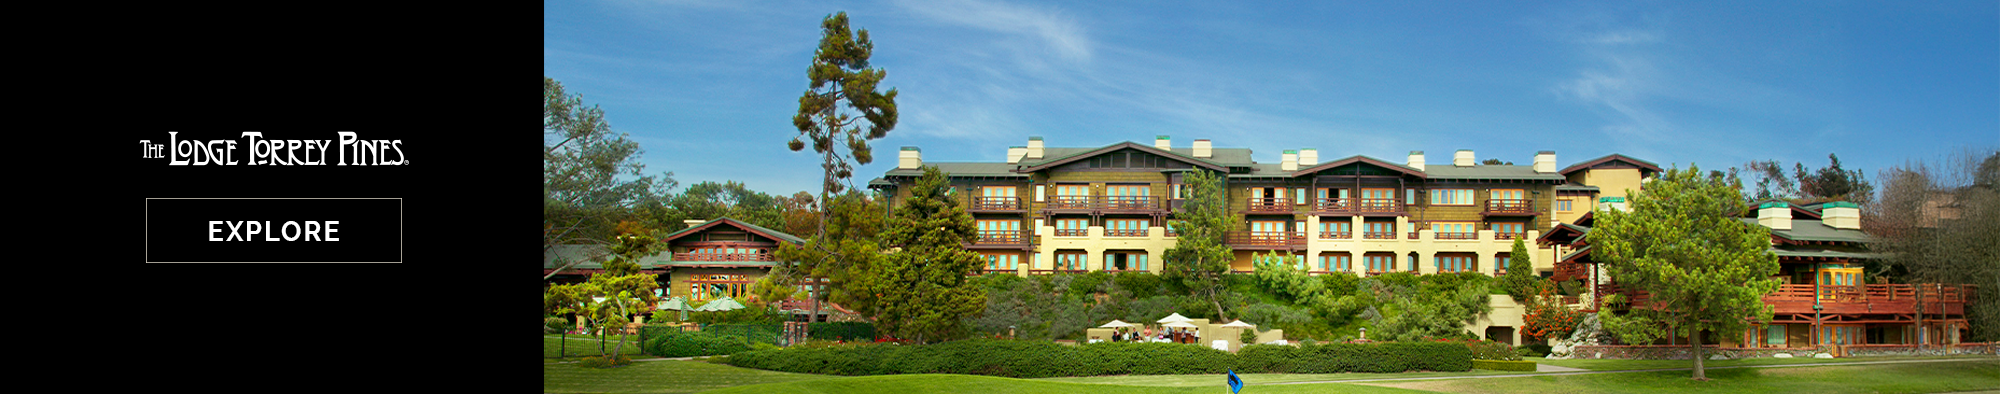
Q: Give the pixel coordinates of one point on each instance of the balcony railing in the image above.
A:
(1510, 206)
(1055, 271)
(994, 204)
(1108, 203)
(1468, 235)
(1124, 233)
(1335, 234)
(1278, 204)
(1072, 232)
(1358, 205)
(1505, 236)
(1265, 238)
(1379, 235)
(1888, 298)
(1001, 237)
(695, 256)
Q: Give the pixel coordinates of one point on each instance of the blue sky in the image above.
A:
(709, 87)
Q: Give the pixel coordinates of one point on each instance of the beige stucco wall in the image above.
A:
(1613, 182)
(1506, 313)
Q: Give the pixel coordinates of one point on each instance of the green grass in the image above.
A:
(659, 377)
(1966, 375)
(1619, 365)
(990, 385)
(1255, 379)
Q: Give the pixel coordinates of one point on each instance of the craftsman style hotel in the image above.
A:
(1049, 209)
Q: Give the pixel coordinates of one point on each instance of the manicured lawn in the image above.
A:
(1970, 375)
(1619, 365)
(994, 385)
(658, 377)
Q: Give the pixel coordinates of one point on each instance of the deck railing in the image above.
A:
(1501, 205)
(994, 204)
(1108, 203)
(1269, 204)
(1358, 205)
(696, 256)
(1265, 238)
(1001, 237)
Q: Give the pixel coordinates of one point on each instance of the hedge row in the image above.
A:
(841, 331)
(1029, 359)
(698, 343)
(1499, 365)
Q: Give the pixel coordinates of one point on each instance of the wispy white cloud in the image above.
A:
(1057, 31)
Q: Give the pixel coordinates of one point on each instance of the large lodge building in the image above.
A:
(1049, 210)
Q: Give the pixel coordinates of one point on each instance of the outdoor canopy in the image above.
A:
(1176, 317)
(1239, 324)
(1180, 324)
(722, 304)
(1115, 324)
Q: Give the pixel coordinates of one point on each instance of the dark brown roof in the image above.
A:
(1647, 165)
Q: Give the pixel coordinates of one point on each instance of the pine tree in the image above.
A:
(1200, 258)
(1704, 270)
(921, 290)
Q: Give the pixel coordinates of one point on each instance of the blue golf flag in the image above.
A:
(1235, 384)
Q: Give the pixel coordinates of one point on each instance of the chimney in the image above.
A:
(1463, 158)
(1015, 153)
(1776, 215)
(1308, 157)
(1291, 162)
(1201, 149)
(694, 222)
(1416, 160)
(1035, 147)
(1841, 215)
(909, 158)
(1163, 142)
(1545, 161)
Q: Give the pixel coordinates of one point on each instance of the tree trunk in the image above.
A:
(1694, 339)
(616, 351)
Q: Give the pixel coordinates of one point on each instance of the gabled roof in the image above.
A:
(767, 233)
(1814, 230)
(1563, 234)
(1073, 157)
(593, 256)
(1491, 172)
(957, 170)
(1412, 171)
(1609, 158)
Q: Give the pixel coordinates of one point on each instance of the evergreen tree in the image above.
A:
(1703, 269)
(840, 73)
(921, 290)
(1200, 258)
(1520, 279)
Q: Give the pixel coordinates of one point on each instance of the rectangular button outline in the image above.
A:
(400, 243)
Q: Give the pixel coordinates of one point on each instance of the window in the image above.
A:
(1299, 196)
(1126, 227)
(1454, 230)
(1563, 205)
(1500, 265)
(1000, 231)
(1072, 190)
(1381, 263)
(1335, 229)
(996, 191)
(1177, 191)
(1072, 227)
(1380, 230)
(1508, 228)
(1451, 197)
(1001, 261)
(1127, 261)
(1270, 227)
(1453, 263)
(1334, 262)
(1506, 194)
(1071, 261)
(1128, 190)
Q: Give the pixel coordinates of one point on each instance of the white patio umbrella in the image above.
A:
(1239, 324)
(1176, 317)
(1116, 324)
(1180, 324)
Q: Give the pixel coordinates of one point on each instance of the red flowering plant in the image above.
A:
(1546, 316)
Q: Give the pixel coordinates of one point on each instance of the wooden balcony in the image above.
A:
(1892, 299)
(1509, 207)
(1267, 240)
(993, 204)
(1124, 233)
(1380, 235)
(1129, 204)
(1072, 232)
(1006, 238)
(1268, 205)
(693, 256)
(1047, 272)
(1470, 235)
(1335, 234)
(1571, 270)
(1358, 206)
(1509, 236)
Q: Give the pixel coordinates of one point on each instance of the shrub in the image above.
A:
(1035, 359)
(1498, 365)
(1490, 350)
(1533, 350)
(601, 362)
(697, 343)
(841, 331)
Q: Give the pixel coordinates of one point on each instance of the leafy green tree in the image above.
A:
(590, 176)
(1200, 258)
(840, 73)
(1704, 269)
(1520, 279)
(921, 289)
(844, 258)
(625, 290)
(1432, 306)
